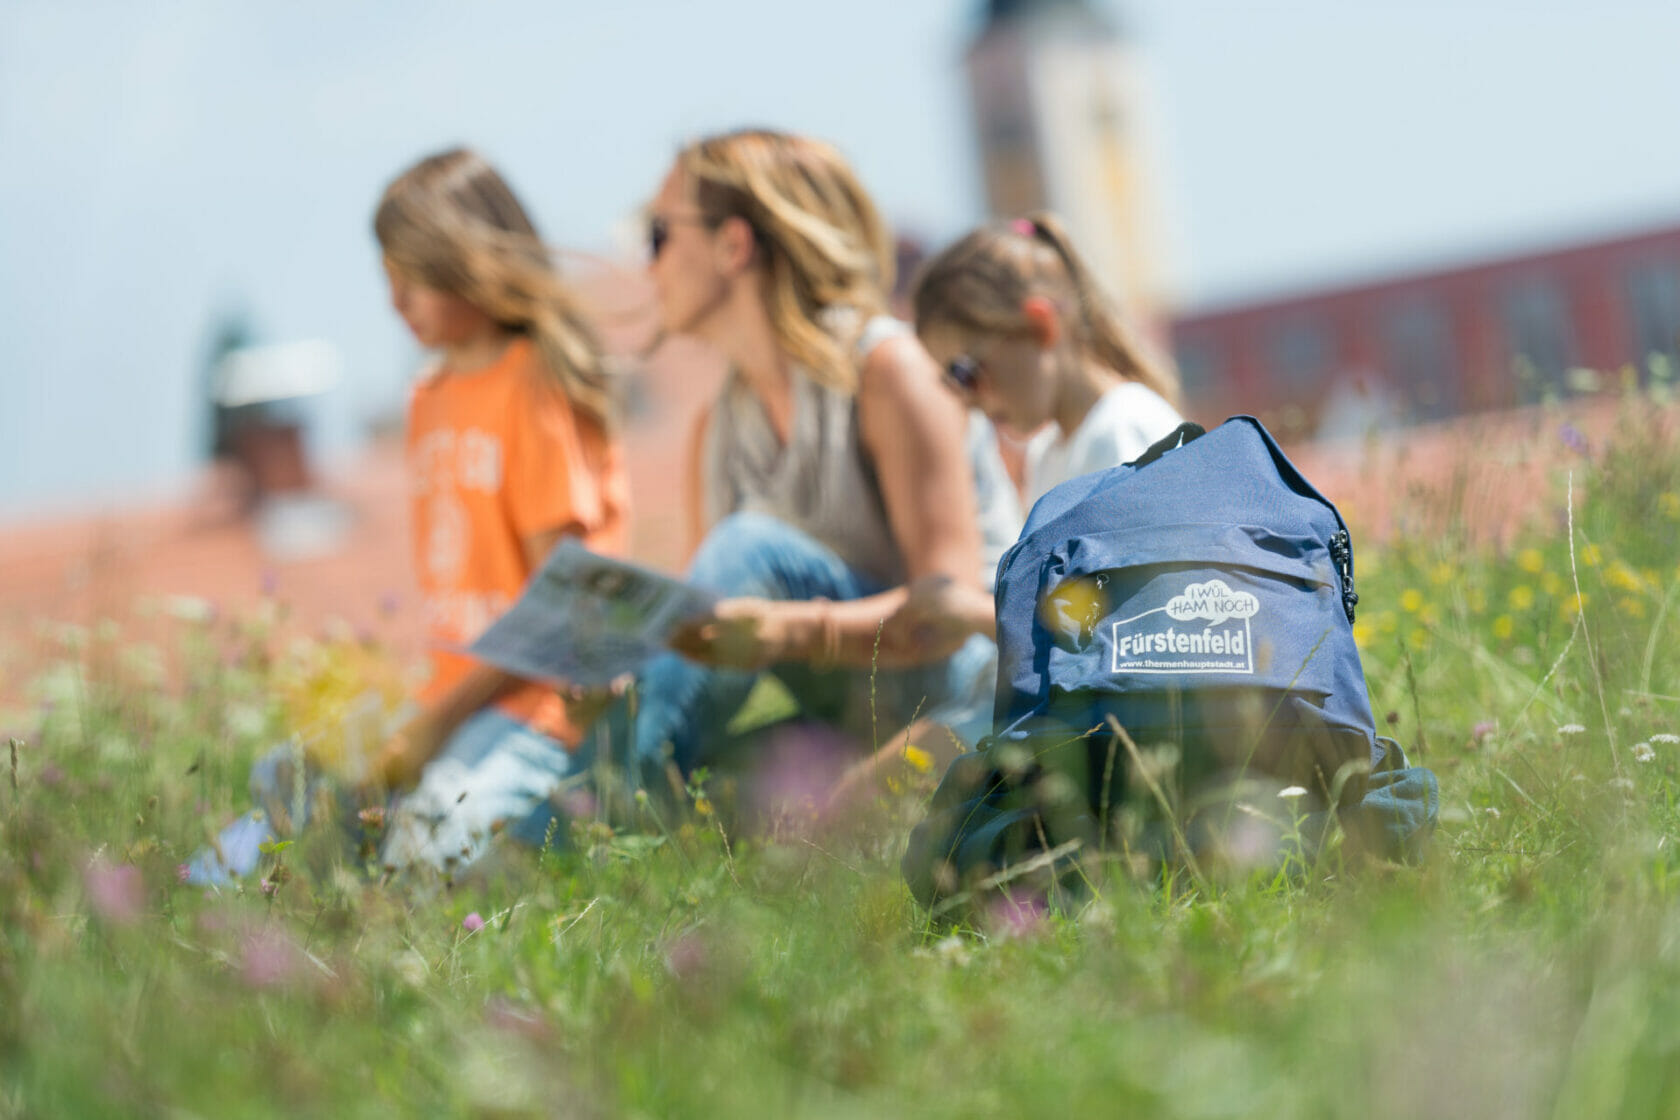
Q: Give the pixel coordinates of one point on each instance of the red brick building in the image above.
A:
(1432, 344)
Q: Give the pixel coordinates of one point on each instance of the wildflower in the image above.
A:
(267, 959)
(116, 893)
(952, 950)
(269, 886)
(1504, 627)
(1008, 918)
(1642, 752)
(1492, 812)
(1483, 729)
(472, 923)
(1530, 561)
(1521, 597)
(1665, 738)
(687, 956)
(1669, 504)
(411, 968)
(1290, 793)
(918, 758)
(1571, 729)
(1411, 600)
(1573, 439)
(1591, 555)
(372, 818)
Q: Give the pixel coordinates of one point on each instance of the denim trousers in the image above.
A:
(684, 708)
(492, 772)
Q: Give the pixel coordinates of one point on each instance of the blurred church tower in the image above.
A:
(1059, 110)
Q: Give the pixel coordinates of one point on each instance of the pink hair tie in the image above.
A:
(1024, 227)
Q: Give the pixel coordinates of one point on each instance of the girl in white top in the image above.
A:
(1012, 314)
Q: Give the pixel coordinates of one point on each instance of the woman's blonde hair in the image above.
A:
(979, 283)
(821, 241)
(452, 223)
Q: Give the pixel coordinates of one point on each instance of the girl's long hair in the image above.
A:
(978, 285)
(452, 223)
(822, 243)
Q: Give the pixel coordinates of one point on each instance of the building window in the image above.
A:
(1299, 353)
(1539, 337)
(1654, 311)
(1201, 371)
(1420, 359)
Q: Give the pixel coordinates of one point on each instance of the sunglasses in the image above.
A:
(659, 230)
(964, 372)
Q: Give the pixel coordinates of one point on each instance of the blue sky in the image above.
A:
(161, 161)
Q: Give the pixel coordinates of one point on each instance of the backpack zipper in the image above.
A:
(1341, 551)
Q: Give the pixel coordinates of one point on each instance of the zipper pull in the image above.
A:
(1341, 551)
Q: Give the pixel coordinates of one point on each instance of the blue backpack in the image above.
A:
(1197, 603)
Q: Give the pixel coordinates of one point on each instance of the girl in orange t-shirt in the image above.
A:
(510, 448)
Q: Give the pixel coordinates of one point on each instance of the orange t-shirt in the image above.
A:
(496, 456)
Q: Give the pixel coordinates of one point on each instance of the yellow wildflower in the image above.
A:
(1530, 560)
(1411, 600)
(1590, 555)
(1521, 597)
(1668, 503)
(1503, 627)
(918, 758)
(1623, 578)
(1632, 607)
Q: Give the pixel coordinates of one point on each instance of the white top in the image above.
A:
(1120, 427)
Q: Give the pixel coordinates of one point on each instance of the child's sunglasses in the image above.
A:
(964, 372)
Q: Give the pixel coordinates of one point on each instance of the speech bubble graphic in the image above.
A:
(1213, 601)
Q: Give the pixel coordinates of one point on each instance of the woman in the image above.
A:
(830, 470)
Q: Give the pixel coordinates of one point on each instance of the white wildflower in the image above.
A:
(1624, 785)
(1571, 729)
(189, 608)
(952, 950)
(1492, 812)
(411, 967)
(1290, 793)
(1665, 738)
(1643, 752)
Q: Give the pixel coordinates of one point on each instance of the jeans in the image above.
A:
(493, 771)
(685, 707)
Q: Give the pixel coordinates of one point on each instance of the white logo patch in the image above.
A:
(1153, 642)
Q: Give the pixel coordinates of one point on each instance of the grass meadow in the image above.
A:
(1530, 968)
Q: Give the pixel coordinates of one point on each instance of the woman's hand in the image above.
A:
(936, 618)
(741, 634)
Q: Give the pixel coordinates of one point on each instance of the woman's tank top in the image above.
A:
(820, 481)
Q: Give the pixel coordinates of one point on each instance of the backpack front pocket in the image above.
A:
(1187, 605)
